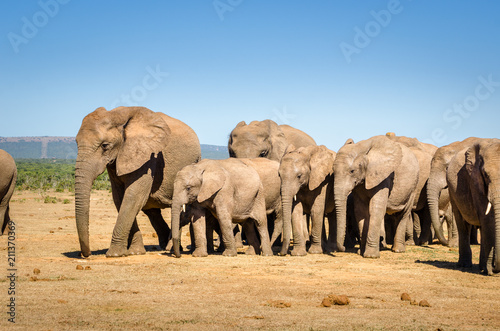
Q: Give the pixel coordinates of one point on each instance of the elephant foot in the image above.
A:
(464, 263)
(410, 242)
(230, 252)
(315, 249)
(371, 253)
(267, 251)
(329, 248)
(453, 243)
(199, 252)
(398, 248)
(250, 251)
(136, 251)
(298, 251)
(117, 251)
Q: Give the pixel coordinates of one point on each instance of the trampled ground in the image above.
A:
(158, 292)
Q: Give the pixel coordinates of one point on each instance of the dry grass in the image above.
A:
(159, 292)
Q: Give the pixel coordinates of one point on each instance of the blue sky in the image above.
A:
(334, 69)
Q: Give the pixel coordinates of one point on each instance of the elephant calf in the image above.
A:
(8, 178)
(232, 190)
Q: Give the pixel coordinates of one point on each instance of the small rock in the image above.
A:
(36, 271)
(155, 235)
(51, 231)
(88, 268)
(424, 303)
(79, 267)
(405, 297)
(33, 278)
(326, 302)
(414, 303)
(279, 304)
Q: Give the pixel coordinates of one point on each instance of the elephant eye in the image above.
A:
(352, 171)
(105, 146)
(263, 154)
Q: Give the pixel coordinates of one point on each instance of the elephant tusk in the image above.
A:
(295, 197)
(184, 207)
(488, 208)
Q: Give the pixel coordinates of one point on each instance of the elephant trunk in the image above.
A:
(434, 188)
(176, 219)
(287, 204)
(341, 211)
(84, 178)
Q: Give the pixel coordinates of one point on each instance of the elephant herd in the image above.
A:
(277, 182)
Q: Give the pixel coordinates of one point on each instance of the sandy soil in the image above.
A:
(158, 292)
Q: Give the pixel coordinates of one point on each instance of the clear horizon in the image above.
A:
(335, 70)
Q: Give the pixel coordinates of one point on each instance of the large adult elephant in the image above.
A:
(8, 178)
(307, 187)
(473, 179)
(265, 139)
(437, 185)
(421, 225)
(382, 175)
(143, 151)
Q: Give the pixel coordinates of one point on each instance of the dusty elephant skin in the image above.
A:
(307, 177)
(265, 139)
(8, 176)
(382, 176)
(142, 151)
(232, 191)
(436, 185)
(473, 179)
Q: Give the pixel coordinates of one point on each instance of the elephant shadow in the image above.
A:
(77, 254)
(450, 266)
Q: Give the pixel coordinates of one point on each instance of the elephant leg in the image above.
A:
(331, 241)
(278, 227)
(198, 222)
(238, 236)
(136, 244)
(452, 228)
(298, 229)
(261, 223)
(160, 226)
(413, 230)
(402, 222)
(318, 220)
(486, 254)
(124, 236)
(226, 228)
(253, 241)
(464, 250)
(377, 210)
(425, 225)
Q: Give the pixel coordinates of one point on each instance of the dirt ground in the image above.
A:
(159, 292)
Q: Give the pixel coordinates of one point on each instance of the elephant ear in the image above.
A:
(213, 179)
(383, 157)
(277, 140)
(321, 164)
(472, 158)
(144, 133)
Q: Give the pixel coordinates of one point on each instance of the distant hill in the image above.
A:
(65, 148)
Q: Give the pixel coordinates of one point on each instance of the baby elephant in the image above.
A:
(232, 191)
(8, 178)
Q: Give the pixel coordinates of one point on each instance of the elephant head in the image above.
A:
(257, 139)
(437, 180)
(122, 139)
(482, 162)
(193, 183)
(305, 167)
(367, 163)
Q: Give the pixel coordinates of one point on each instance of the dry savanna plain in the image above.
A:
(57, 290)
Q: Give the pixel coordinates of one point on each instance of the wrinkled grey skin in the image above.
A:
(473, 179)
(419, 231)
(436, 184)
(232, 191)
(142, 151)
(265, 139)
(8, 176)
(382, 176)
(307, 174)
